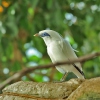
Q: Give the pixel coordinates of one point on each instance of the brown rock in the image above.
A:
(88, 90)
(36, 91)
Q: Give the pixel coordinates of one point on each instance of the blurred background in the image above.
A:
(76, 20)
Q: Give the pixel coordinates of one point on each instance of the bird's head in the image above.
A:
(49, 35)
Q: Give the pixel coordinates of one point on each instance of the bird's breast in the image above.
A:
(55, 51)
(53, 48)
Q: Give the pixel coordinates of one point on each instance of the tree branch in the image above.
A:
(28, 70)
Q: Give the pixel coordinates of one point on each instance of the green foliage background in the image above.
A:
(76, 20)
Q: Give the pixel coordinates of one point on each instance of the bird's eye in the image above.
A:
(44, 34)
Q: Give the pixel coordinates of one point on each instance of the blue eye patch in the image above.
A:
(44, 34)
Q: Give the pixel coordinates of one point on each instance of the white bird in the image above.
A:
(60, 50)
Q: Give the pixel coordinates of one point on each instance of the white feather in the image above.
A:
(75, 50)
(60, 50)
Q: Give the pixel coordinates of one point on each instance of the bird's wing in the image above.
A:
(70, 54)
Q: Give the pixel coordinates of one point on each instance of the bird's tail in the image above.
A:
(79, 73)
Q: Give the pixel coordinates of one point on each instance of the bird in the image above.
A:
(60, 50)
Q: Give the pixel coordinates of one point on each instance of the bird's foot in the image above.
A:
(63, 79)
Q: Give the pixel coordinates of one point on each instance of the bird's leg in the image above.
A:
(64, 77)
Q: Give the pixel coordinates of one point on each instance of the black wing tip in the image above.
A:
(79, 70)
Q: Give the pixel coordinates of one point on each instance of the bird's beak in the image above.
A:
(36, 34)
